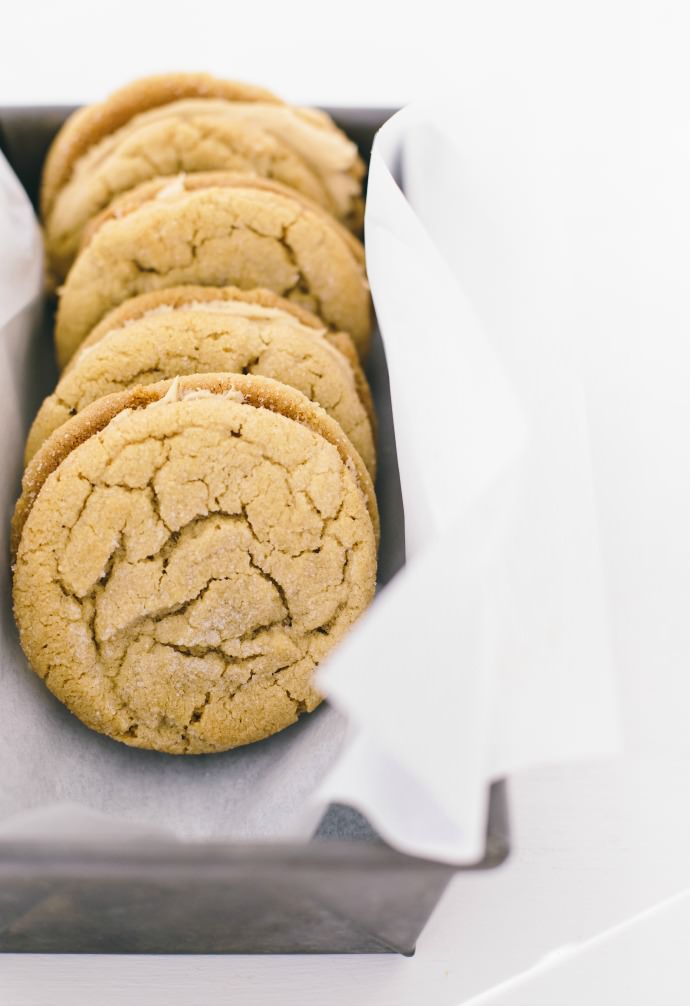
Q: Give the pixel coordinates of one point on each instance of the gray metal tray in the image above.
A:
(346, 891)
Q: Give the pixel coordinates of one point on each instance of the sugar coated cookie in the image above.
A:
(182, 296)
(242, 234)
(186, 554)
(190, 122)
(227, 335)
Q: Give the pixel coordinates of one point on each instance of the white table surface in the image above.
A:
(601, 851)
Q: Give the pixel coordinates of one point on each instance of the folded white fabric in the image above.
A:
(21, 255)
(490, 651)
(21, 272)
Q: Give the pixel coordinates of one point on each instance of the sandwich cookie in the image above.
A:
(186, 554)
(217, 230)
(170, 188)
(182, 296)
(89, 125)
(225, 335)
(297, 146)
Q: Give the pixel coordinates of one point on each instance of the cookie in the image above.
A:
(211, 337)
(237, 233)
(182, 296)
(300, 147)
(187, 553)
(88, 125)
(171, 187)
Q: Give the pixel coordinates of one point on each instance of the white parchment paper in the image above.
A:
(489, 652)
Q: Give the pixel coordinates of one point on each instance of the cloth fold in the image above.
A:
(489, 653)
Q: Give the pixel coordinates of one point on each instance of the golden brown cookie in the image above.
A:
(171, 188)
(187, 553)
(187, 123)
(210, 337)
(182, 296)
(241, 234)
(88, 125)
(262, 392)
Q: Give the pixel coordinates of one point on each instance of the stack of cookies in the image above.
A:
(197, 527)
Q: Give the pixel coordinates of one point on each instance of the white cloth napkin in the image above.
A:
(489, 651)
(20, 247)
(21, 273)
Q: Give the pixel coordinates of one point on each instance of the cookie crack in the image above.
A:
(302, 285)
(287, 620)
(195, 244)
(325, 628)
(115, 653)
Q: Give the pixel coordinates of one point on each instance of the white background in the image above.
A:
(594, 844)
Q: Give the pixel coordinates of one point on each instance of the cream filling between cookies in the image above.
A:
(237, 308)
(174, 394)
(308, 132)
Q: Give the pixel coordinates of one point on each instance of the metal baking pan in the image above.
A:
(345, 891)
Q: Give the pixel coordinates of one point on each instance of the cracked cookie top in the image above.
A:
(181, 296)
(186, 555)
(260, 392)
(246, 235)
(169, 188)
(227, 335)
(274, 141)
